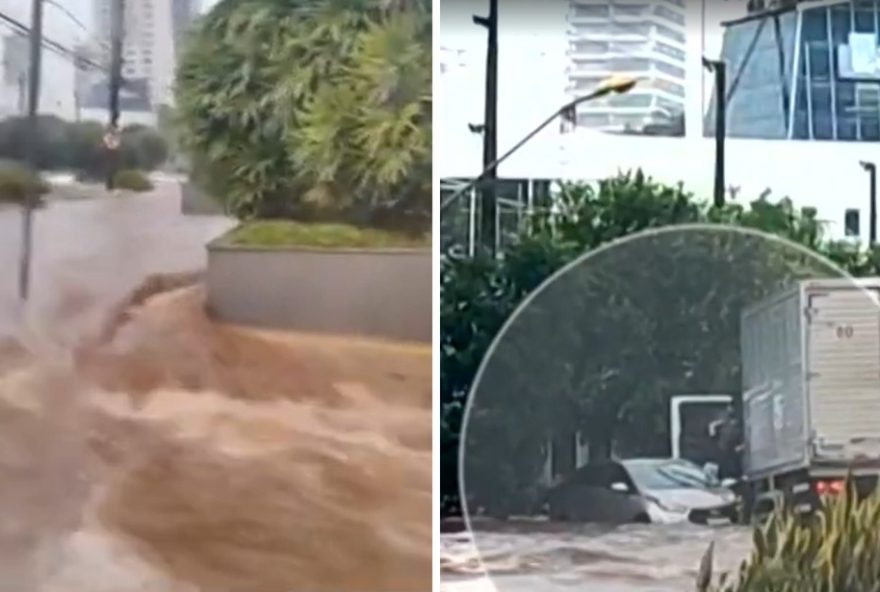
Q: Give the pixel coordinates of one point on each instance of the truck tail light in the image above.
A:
(830, 487)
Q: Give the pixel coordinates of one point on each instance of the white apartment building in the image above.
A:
(153, 29)
(641, 38)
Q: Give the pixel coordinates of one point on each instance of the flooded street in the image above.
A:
(555, 557)
(175, 454)
(88, 254)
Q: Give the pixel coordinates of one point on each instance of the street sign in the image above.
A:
(111, 140)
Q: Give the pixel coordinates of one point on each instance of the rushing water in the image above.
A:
(174, 454)
(524, 557)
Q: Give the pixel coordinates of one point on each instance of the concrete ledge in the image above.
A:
(373, 293)
(195, 202)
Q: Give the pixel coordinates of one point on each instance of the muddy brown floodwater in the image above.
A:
(171, 453)
(530, 556)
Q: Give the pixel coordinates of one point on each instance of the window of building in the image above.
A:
(643, 28)
(630, 64)
(586, 82)
(593, 120)
(667, 105)
(864, 16)
(670, 51)
(596, 47)
(669, 14)
(590, 65)
(630, 100)
(627, 47)
(670, 33)
(851, 222)
(628, 121)
(669, 69)
(666, 86)
(630, 9)
(592, 29)
(841, 23)
(828, 107)
(592, 10)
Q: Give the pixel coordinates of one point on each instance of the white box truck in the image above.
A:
(810, 407)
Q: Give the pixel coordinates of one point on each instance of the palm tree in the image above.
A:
(321, 104)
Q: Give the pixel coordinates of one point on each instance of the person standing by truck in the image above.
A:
(727, 435)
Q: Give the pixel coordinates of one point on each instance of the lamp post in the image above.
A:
(612, 85)
(719, 68)
(871, 168)
(33, 105)
(111, 142)
(488, 204)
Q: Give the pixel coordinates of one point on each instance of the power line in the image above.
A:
(69, 15)
(73, 18)
(50, 44)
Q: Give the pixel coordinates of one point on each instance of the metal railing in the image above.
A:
(516, 201)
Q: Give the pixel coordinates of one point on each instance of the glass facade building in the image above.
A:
(811, 72)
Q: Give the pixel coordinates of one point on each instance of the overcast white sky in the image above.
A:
(59, 26)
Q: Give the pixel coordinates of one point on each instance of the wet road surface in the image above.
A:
(90, 253)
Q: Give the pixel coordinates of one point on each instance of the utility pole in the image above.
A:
(488, 203)
(36, 43)
(719, 69)
(22, 94)
(872, 204)
(111, 139)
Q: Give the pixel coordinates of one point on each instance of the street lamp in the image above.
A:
(871, 168)
(719, 68)
(36, 42)
(611, 85)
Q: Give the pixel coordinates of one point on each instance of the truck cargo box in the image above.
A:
(811, 377)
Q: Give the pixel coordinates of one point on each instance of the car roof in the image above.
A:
(634, 462)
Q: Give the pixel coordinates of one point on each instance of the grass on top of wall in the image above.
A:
(287, 233)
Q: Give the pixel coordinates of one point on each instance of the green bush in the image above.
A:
(837, 550)
(17, 182)
(286, 233)
(132, 180)
(78, 146)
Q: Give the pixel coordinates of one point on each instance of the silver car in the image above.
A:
(642, 490)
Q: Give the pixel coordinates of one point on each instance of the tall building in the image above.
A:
(153, 30)
(183, 13)
(644, 39)
(808, 72)
(16, 53)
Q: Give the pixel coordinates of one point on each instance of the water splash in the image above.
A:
(161, 451)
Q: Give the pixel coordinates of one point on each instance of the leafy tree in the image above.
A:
(314, 108)
(602, 348)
